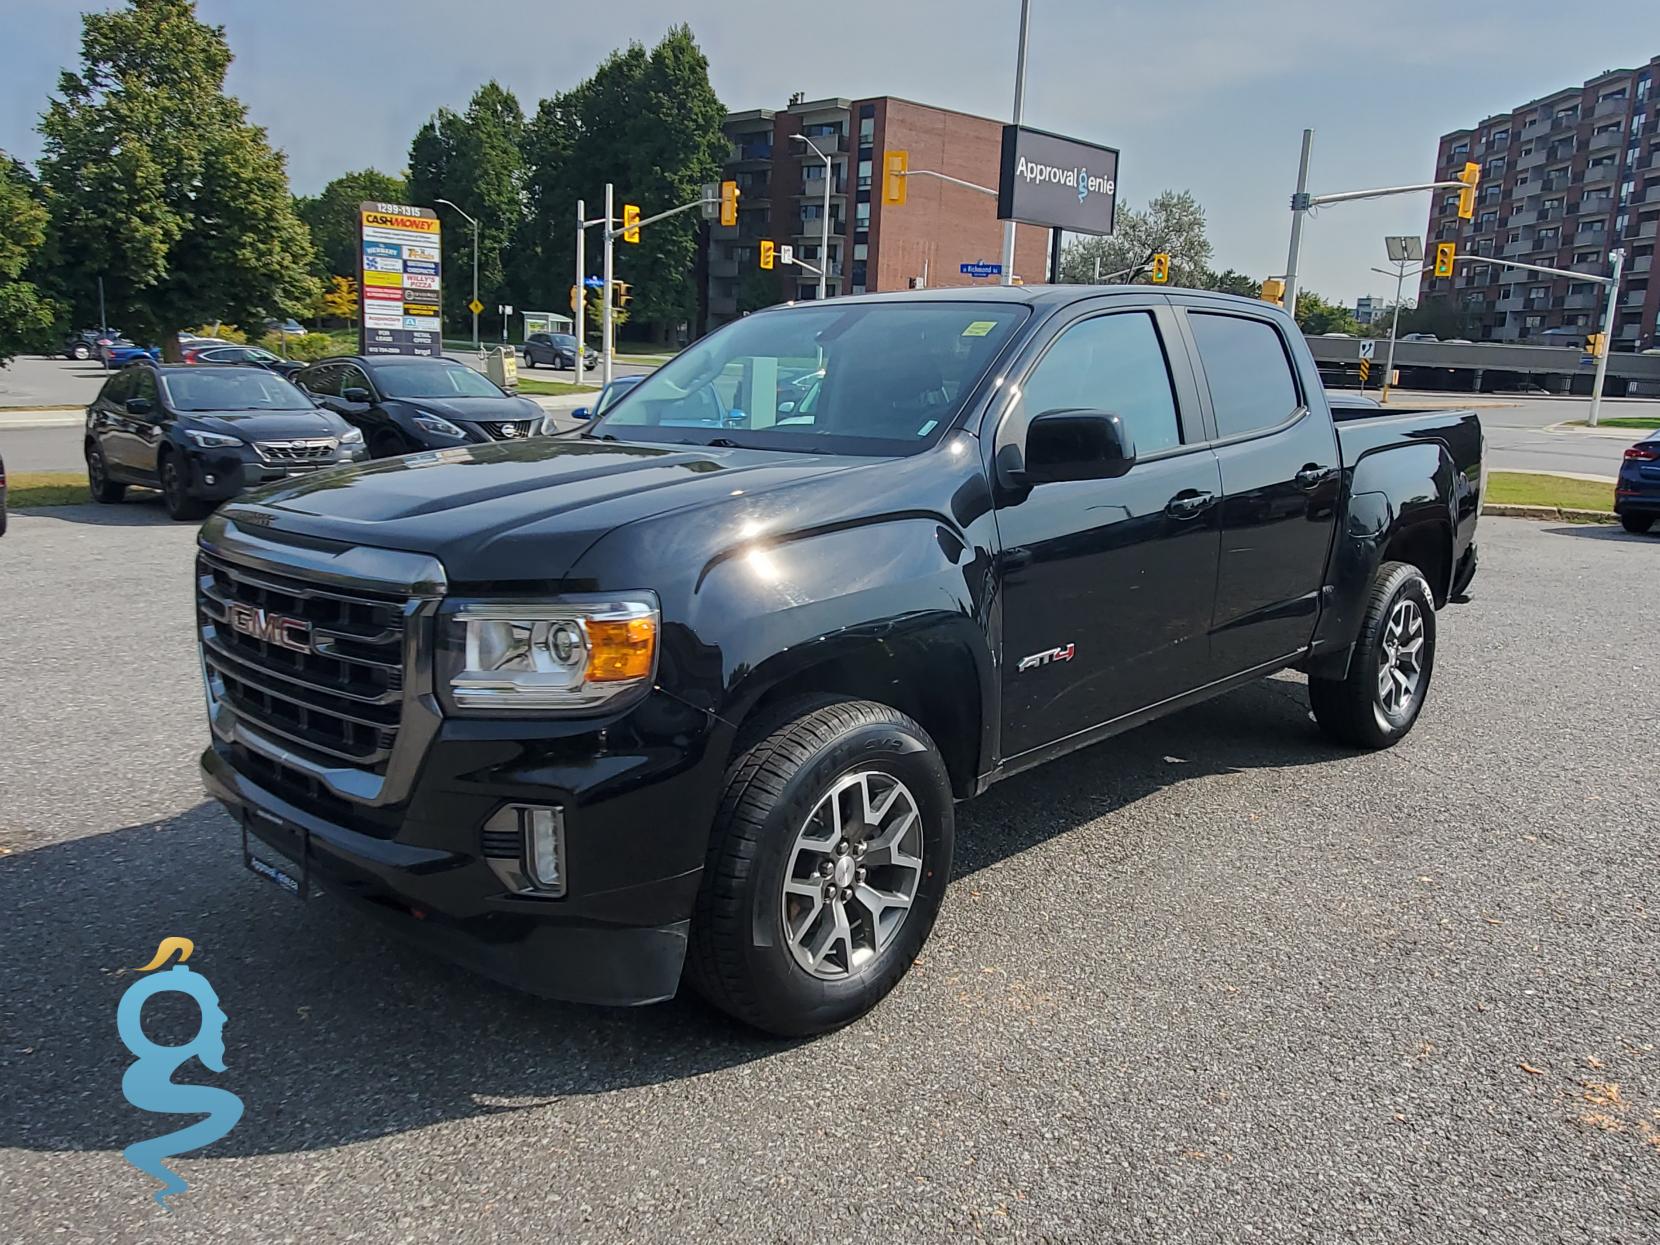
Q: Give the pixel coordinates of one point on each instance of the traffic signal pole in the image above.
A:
(1612, 281)
(609, 234)
(1302, 202)
(579, 304)
(1019, 108)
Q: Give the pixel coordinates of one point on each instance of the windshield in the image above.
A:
(855, 378)
(231, 389)
(564, 340)
(433, 380)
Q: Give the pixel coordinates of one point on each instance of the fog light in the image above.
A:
(207, 480)
(544, 835)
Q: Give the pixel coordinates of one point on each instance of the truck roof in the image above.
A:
(1034, 295)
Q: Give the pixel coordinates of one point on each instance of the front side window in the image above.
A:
(1112, 363)
(894, 378)
(1246, 368)
(433, 380)
(324, 379)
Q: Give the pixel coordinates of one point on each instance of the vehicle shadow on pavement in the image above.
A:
(143, 510)
(339, 1033)
(1606, 531)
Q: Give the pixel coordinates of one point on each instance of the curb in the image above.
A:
(42, 421)
(1578, 428)
(1549, 512)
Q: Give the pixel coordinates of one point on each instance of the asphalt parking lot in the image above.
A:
(1216, 979)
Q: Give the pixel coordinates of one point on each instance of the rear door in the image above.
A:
(1108, 585)
(109, 424)
(146, 428)
(1277, 450)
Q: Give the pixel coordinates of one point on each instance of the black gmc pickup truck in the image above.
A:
(691, 695)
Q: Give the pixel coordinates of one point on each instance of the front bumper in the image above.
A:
(221, 473)
(636, 833)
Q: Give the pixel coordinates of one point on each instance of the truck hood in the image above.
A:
(518, 511)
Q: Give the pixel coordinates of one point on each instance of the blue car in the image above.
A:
(1637, 492)
(120, 352)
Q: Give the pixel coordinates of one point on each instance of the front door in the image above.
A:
(1108, 585)
(146, 429)
(1280, 482)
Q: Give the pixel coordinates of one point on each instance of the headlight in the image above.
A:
(573, 653)
(352, 436)
(209, 440)
(438, 424)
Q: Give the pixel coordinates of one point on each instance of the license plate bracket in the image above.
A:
(270, 863)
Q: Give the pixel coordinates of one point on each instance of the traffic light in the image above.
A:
(1467, 197)
(1273, 291)
(631, 222)
(895, 167)
(767, 252)
(729, 203)
(1445, 253)
(1161, 268)
(575, 290)
(622, 293)
(1595, 344)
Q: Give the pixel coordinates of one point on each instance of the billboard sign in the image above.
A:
(1059, 182)
(398, 275)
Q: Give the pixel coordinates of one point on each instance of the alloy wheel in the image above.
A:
(1401, 662)
(853, 874)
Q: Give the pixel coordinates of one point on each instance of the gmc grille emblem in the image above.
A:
(279, 629)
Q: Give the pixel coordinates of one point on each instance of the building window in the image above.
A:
(1501, 136)
(806, 293)
(1462, 149)
(859, 272)
(864, 174)
(861, 215)
(861, 251)
(867, 131)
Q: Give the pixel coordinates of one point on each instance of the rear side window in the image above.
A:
(1245, 364)
(119, 388)
(1110, 363)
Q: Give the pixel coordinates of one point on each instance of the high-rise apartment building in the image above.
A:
(1565, 179)
(873, 246)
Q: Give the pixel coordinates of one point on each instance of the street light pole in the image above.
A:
(1299, 208)
(579, 308)
(477, 348)
(1399, 274)
(1019, 109)
(605, 312)
(824, 231)
(1618, 256)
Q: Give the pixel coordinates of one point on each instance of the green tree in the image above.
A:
(157, 182)
(1230, 281)
(758, 288)
(1316, 315)
(1173, 222)
(474, 160)
(650, 123)
(27, 315)
(332, 217)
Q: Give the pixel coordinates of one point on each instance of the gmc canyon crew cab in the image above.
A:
(691, 695)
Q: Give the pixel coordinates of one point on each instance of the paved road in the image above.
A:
(1214, 980)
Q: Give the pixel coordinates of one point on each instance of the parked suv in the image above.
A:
(204, 433)
(403, 403)
(695, 693)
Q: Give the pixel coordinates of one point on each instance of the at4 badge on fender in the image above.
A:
(1064, 653)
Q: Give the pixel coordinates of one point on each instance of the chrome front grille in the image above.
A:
(512, 429)
(310, 450)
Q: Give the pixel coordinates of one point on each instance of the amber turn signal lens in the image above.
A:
(620, 649)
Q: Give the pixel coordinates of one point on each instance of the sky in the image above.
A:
(1205, 95)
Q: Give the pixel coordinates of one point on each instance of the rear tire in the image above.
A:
(1397, 644)
(530, 360)
(99, 484)
(1637, 523)
(175, 495)
(81, 352)
(848, 785)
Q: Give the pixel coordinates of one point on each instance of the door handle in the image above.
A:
(1188, 503)
(1312, 475)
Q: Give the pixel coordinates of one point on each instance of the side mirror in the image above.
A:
(786, 408)
(1069, 445)
(581, 413)
(138, 406)
(355, 394)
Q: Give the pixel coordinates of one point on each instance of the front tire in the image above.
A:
(1637, 524)
(1378, 701)
(80, 352)
(98, 481)
(175, 493)
(827, 864)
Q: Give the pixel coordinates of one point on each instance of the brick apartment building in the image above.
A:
(873, 246)
(1565, 179)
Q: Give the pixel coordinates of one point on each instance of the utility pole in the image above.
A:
(579, 305)
(1019, 109)
(477, 348)
(824, 223)
(606, 232)
(103, 316)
